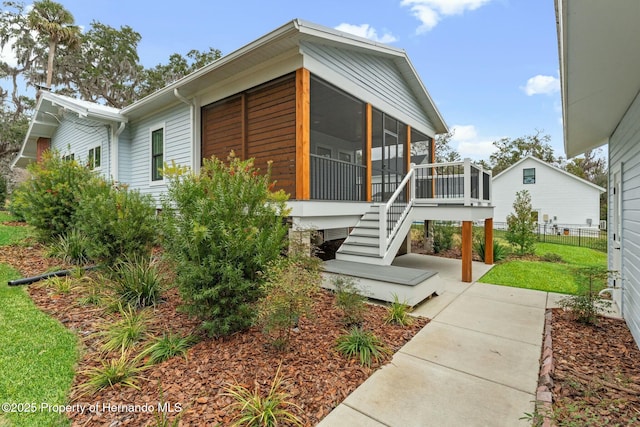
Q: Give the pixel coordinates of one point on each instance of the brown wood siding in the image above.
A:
(42, 145)
(271, 131)
(222, 128)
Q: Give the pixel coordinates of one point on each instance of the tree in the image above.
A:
(510, 151)
(521, 224)
(53, 24)
(444, 152)
(592, 166)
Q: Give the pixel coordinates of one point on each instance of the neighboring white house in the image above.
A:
(559, 197)
(599, 43)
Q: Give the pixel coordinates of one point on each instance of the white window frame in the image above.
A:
(152, 129)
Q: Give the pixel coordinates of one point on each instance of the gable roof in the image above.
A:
(599, 68)
(545, 164)
(47, 117)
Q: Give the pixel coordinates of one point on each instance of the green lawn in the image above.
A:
(37, 356)
(9, 235)
(548, 276)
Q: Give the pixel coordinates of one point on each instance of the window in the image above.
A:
(529, 176)
(157, 154)
(323, 151)
(95, 157)
(68, 157)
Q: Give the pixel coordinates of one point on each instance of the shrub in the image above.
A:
(3, 191)
(349, 300)
(50, 199)
(262, 411)
(289, 294)
(222, 228)
(167, 346)
(551, 257)
(71, 247)
(119, 223)
(398, 313)
(500, 251)
(363, 344)
(137, 282)
(585, 307)
(443, 236)
(521, 224)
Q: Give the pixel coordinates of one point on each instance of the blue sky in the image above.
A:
(491, 66)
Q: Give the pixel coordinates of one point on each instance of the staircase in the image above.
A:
(378, 235)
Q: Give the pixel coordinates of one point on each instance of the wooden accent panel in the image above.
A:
(467, 238)
(271, 131)
(488, 241)
(407, 148)
(222, 128)
(368, 150)
(303, 134)
(433, 160)
(42, 145)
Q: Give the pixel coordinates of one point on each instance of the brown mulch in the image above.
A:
(317, 377)
(597, 373)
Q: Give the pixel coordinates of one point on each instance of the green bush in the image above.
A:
(289, 294)
(137, 282)
(363, 344)
(398, 313)
(443, 236)
(49, 200)
(167, 346)
(349, 300)
(521, 224)
(222, 229)
(586, 307)
(3, 191)
(71, 247)
(500, 251)
(118, 223)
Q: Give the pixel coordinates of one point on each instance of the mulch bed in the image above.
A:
(597, 373)
(317, 377)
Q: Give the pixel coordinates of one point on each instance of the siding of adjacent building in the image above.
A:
(624, 152)
(554, 194)
(78, 135)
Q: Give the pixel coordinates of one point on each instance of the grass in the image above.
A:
(37, 357)
(546, 276)
(10, 235)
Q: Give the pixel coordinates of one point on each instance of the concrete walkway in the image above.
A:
(475, 364)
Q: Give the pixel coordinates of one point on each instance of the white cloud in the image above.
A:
(430, 12)
(470, 144)
(542, 85)
(367, 31)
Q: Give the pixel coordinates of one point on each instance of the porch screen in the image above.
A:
(337, 125)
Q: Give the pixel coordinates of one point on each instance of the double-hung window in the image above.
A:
(157, 154)
(95, 157)
(529, 176)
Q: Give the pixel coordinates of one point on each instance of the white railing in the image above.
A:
(453, 183)
(394, 211)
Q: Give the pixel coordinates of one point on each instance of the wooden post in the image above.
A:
(368, 153)
(467, 237)
(303, 134)
(488, 241)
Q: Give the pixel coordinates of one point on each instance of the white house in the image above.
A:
(559, 198)
(599, 44)
(328, 109)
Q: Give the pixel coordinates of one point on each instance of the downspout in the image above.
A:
(195, 162)
(115, 163)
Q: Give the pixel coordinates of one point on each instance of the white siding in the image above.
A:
(177, 147)
(124, 156)
(624, 147)
(77, 136)
(554, 194)
(371, 78)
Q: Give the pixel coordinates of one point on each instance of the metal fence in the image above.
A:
(572, 235)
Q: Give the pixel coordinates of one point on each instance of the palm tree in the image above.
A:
(54, 23)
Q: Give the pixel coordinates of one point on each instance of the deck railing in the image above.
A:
(453, 183)
(333, 179)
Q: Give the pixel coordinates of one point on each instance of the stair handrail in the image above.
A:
(387, 235)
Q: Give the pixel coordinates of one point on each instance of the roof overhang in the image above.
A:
(282, 42)
(48, 115)
(599, 68)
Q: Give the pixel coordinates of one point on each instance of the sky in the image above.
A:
(491, 66)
